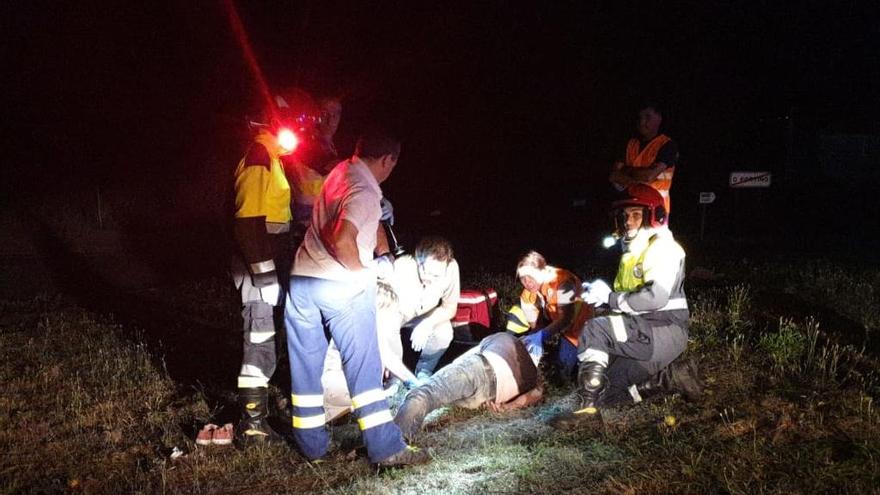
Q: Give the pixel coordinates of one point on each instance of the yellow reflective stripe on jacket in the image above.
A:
(374, 419)
(262, 191)
(366, 398)
(315, 400)
(517, 321)
(306, 422)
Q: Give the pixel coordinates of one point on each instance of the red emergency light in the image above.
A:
(287, 140)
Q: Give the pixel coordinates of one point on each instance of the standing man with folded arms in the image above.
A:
(650, 158)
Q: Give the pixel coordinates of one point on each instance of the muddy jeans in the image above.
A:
(467, 382)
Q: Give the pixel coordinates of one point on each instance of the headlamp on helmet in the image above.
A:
(292, 117)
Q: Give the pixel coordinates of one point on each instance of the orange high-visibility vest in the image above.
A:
(548, 302)
(646, 157)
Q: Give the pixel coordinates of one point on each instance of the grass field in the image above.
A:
(99, 402)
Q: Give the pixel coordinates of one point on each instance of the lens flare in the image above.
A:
(287, 140)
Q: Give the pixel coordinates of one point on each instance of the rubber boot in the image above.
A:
(681, 377)
(591, 389)
(254, 427)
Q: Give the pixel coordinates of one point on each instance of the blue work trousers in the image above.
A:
(348, 311)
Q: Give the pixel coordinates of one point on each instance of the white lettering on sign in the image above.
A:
(750, 179)
(707, 198)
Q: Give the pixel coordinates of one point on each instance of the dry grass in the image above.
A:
(88, 408)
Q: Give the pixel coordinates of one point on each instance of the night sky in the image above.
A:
(508, 111)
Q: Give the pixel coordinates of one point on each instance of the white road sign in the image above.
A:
(707, 198)
(750, 179)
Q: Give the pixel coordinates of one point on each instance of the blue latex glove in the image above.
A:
(534, 343)
(387, 211)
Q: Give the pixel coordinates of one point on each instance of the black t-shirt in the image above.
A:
(514, 353)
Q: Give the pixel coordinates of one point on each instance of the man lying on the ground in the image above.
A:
(500, 373)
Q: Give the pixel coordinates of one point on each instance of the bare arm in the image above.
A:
(382, 245)
(448, 306)
(393, 362)
(566, 315)
(527, 399)
(341, 241)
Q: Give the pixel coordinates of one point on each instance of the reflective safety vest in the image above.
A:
(646, 157)
(646, 251)
(263, 191)
(547, 300)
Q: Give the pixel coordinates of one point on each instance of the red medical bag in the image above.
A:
(473, 319)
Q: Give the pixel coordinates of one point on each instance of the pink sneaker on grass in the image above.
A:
(223, 435)
(206, 435)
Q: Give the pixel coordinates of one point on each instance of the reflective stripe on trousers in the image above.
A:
(350, 312)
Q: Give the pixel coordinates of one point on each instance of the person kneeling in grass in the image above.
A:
(500, 373)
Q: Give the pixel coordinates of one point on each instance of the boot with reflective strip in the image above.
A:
(253, 426)
(591, 388)
(681, 377)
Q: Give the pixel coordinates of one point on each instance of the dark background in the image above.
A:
(511, 114)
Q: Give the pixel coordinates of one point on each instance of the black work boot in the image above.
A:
(681, 377)
(409, 456)
(591, 389)
(253, 427)
(684, 378)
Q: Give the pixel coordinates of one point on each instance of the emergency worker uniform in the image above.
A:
(647, 328)
(261, 226)
(326, 296)
(564, 288)
(660, 149)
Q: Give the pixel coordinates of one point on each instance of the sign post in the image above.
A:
(741, 180)
(705, 199)
(750, 179)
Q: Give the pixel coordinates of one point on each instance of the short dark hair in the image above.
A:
(436, 247)
(652, 104)
(376, 144)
